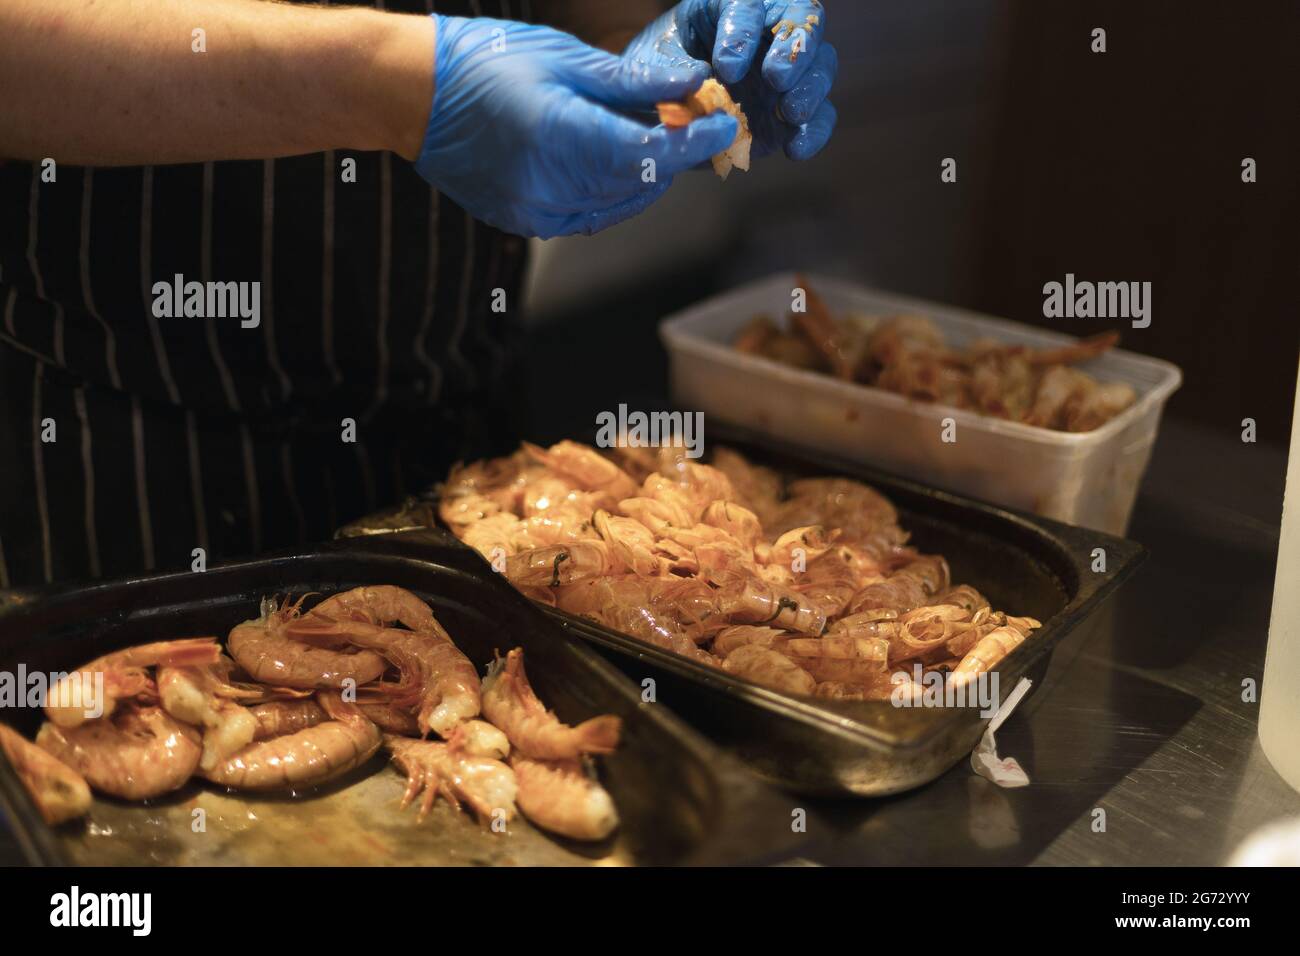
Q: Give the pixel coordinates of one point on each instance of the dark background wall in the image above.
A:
(1115, 166)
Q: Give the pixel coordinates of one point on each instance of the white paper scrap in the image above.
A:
(984, 759)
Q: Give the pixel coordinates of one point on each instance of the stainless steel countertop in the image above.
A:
(1141, 714)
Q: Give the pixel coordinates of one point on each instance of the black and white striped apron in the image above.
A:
(128, 440)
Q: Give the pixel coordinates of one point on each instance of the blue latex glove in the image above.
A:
(783, 99)
(528, 130)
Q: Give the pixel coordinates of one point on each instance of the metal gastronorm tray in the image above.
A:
(680, 800)
(1024, 564)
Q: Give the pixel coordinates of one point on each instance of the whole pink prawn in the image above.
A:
(510, 703)
(436, 677)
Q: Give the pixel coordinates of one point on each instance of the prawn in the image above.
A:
(986, 654)
(485, 784)
(277, 718)
(263, 647)
(137, 753)
(306, 758)
(585, 467)
(511, 704)
(189, 694)
(59, 792)
(765, 666)
(125, 675)
(436, 676)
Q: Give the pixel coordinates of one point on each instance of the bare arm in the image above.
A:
(111, 82)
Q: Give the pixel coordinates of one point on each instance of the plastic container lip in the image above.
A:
(677, 332)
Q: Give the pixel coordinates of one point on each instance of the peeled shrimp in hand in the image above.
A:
(510, 703)
(265, 650)
(437, 678)
(137, 753)
(559, 796)
(436, 769)
(306, 758)
(59, 792)
(124, 674)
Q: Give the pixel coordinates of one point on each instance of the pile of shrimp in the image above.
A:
(296, 699)
(807, 587)
(907, 354)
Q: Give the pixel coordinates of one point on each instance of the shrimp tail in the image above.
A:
(600, 735)
(191, 652)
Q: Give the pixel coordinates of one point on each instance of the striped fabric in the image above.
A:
(171, 434)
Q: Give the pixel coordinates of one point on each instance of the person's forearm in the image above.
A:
(110, 82)
(610, 26)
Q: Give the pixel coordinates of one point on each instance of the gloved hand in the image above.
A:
(784, 99)
(527, 130)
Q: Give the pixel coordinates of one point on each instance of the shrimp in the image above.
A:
(737, 520)
(909, 587)
(630, 541)
(277, 718)
(189, 694)
(437, 769)
(137, 753)
(991, 648)
(586, 467)
(59, 792)
(265, 650)
(751, 600)
(755, 486)
(836, 342)
(840, 657)
(1057, 390)
(510, 703)
(478, 738)
(557, 565)
(733, 638)
(1098, 405)
(436, 676)
(769, 668)
(657, 515)
(306, 758)
(72, 699)
(559, 796)
(830, 583)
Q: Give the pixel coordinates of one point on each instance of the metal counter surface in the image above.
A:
(1144, 717)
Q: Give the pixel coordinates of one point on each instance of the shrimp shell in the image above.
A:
(769, 668)
(510, 703)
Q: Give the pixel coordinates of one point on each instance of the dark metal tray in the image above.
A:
(1024, 564)
(680, 800)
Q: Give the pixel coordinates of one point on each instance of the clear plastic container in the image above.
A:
(1088, 478)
